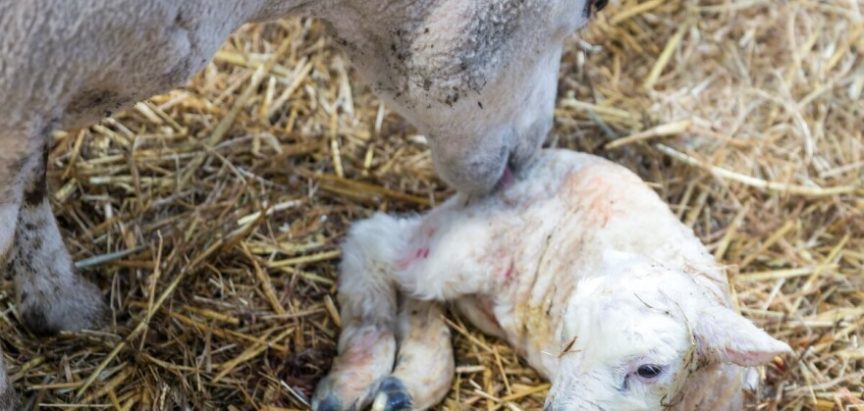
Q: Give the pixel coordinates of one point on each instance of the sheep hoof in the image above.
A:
(392, 396)
(9, 399)
(73, 308)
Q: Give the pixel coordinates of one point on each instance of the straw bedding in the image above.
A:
(211, 215)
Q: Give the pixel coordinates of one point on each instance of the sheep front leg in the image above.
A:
(8, 397)
(51, 296)
(16, 161)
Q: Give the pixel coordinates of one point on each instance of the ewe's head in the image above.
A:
(633, 336)
(477, 77)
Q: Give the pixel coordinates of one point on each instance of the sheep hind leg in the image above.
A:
(15, 162)
(8, 397)
(51, 295)
(425, 363)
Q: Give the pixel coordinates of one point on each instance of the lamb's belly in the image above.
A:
(496, 318)
(478, 310)
(531, 287)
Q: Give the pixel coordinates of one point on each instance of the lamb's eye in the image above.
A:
(649, 371)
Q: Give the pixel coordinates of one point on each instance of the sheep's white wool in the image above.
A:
(584, 270)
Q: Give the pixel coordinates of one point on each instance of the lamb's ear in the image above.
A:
(725, 336)
(613, 258)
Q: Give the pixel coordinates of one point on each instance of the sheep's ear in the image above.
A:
(725, 336)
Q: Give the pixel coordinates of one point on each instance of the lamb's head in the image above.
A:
(649, 338)
(477, 77)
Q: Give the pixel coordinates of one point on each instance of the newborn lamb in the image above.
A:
(578, 265)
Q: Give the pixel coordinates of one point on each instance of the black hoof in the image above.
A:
(45, 324)
(392, 396)
(325, 398)
(74, 307)
(329, 403)
(34, 320)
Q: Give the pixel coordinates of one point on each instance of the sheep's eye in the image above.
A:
(600, 4)
(593, 6)
(649, 371)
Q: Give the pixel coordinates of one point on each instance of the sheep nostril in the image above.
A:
(506, 179)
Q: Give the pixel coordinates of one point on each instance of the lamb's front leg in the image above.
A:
(51, 296)
(424, 366)
(368, 304)
(447, 254)
(381, 254)
(453, 252)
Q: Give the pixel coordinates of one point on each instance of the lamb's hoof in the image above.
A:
(74, 308)
(330, 403)
(325, 398)
(392, 396)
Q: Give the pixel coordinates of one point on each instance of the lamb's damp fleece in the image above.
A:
(578, 265)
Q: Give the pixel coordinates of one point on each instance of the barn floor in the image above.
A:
(210, 216)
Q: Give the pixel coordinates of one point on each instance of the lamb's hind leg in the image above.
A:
(51, 296)
(367, 343)
(424, 365)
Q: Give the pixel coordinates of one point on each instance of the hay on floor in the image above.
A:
(211, 215)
